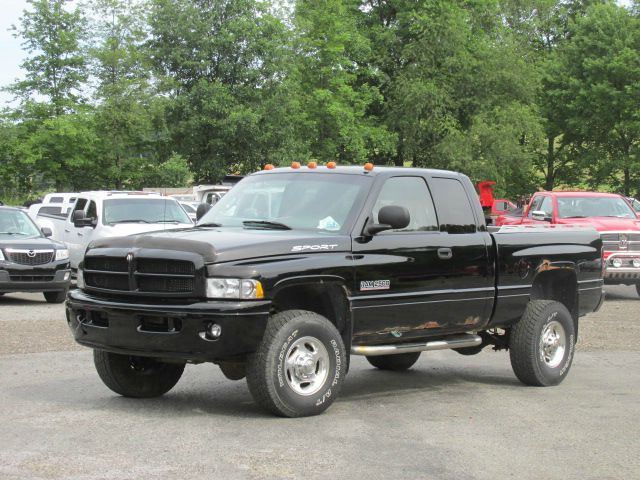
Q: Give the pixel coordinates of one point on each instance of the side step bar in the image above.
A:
(454, 341)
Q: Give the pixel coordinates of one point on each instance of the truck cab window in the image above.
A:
(92, 210)
(413, 194)
(535, 206)
(452, 204)
(546, 206)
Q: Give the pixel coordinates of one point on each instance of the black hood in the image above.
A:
(37, 243)
(229, 243)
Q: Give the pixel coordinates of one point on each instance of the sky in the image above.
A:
(11, 54)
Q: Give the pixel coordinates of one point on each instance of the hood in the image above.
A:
(38, 243)
(604, 224)
(229, 244)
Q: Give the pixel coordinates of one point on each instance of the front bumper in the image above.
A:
(33, 283)
(167, 331)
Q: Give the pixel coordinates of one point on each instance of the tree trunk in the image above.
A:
(551, 159)
(627, 181)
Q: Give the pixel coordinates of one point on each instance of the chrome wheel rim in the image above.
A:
(306, 365)
(553, 344)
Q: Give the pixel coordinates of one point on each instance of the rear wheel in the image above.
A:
(541, 344)
(138, 377)
(398, 362)
(55, 297)
(300, 365)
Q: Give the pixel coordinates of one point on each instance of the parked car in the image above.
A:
(609, 213)
(332, 262)
(212, 193)
(191, 208)
(102, 214)
(29, 261)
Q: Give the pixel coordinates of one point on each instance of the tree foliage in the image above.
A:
(130, 93)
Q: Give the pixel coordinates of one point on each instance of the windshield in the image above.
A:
(580, 207)
(143, 210)
(312, 201)
(14, 223)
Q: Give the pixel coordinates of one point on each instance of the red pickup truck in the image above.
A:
(609, 213)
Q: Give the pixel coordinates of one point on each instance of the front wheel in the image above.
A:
(541, 344)
(299, 366)
(137, 377)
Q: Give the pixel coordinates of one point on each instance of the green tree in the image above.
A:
(55, 76)
(222, 66)
(597, 87)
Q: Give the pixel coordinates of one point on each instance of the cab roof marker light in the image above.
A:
(331, 165)
(368, 167)
(312, 165)
(268, 166)
(295, 165)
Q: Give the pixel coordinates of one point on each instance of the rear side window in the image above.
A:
(452, 204)
(50, 211)
(413, 194)
(56, 200)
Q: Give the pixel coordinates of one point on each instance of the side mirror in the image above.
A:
(46, 231)
(540, 216)
(391, 217)
(80, 219)
(202, 210)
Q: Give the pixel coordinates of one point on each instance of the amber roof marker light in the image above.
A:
(368, 167)
(268, 166)
(312, 165)
(295, 165)
(331, 165)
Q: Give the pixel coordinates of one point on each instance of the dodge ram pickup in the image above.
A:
(296, 269)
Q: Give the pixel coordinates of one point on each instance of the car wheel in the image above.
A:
(398, 362)
(299, 366)
(541, 344)
(137, 377)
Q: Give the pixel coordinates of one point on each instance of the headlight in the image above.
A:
(80, 278)
(234, 288)
(62, 254)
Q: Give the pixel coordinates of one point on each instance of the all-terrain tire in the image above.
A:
(137, 377)
(542, 343)
(55, 297)
(300, 365)
(398, 362)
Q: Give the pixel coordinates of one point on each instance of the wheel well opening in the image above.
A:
(561, 286)
(327, 300)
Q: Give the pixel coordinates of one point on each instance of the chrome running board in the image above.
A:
(454, 341)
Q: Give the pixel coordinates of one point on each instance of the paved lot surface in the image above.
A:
(449, 417)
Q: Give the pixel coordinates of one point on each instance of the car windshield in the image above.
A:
(143, 210)
(582, 207)
(296, 200)
(17, 224)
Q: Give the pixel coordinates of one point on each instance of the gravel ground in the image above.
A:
(449, 417)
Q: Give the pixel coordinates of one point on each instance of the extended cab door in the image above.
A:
(435, 276)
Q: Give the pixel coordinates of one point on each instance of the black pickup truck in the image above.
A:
(296, 269)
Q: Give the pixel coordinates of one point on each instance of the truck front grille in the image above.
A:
(29, 257)
(620, 242)
(140, 275)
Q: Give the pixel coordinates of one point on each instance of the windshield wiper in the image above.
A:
(210, 224)
(168, 221)
(130, 220)
(266, 224)
(13, 233)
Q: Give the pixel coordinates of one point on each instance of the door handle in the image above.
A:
(80, 234)
(445, 253)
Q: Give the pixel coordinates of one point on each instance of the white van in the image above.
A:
(113, 214)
